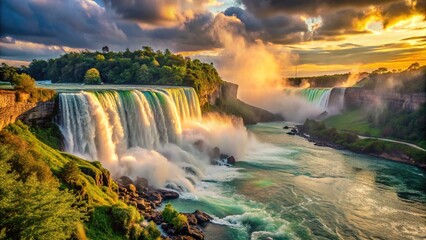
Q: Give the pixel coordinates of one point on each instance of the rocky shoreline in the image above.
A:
(146, 200)
(323, 142)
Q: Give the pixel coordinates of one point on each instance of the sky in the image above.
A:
(303, 38)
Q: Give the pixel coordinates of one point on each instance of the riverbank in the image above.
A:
(329, 137)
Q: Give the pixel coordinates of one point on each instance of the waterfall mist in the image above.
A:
(157, 134)
(258, 70)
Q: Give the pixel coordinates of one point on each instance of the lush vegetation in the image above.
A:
(45, 193)
(350, 141)
(405, 125)
(144, 66)
(170, 215)
(92, 76)
(24, 84)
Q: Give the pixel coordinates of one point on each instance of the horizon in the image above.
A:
(320, 38)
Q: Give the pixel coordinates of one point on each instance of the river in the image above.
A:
(287, 188)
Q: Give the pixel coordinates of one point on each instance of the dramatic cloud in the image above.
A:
(306, 7)
(276, 29)
(321, 32)
(79, 23)
(150, 13)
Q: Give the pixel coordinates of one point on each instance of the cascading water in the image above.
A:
(143, 133)
(318, 96)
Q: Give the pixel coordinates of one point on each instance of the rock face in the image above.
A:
(355, 97)
(226, 90)
(14, 105)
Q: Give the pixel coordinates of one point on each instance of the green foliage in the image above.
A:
(38, 69)
(124, 217)
(34, 209)
(179, 221)
(352, 142)
(100, 225)
(144, 66)
(23, 158)
(406, 125)
(7, 72)
(169, 213)
(92, 76)
(150, 232)
(100, 57)
(71, 173)
(49, 134)
(23, 82)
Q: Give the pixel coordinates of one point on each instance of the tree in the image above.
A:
(35, 209)
(105, 49)
(23, 82)
(92, 76)
(100, 57)
(7, 72)
(38, 69)
(169, 213)
(179, 221)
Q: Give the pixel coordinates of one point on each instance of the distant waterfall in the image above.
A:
(120, 125)
(318, 96)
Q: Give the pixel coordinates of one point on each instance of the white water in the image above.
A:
(148, 133)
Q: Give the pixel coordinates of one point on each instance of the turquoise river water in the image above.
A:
(287, 188)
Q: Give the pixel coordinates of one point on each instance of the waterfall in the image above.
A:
(146, 133)
(318, 96)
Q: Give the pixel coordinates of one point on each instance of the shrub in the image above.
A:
(71, 173)
(150, 232)
(92, 76)
(169, 213)
(179, 221)
(23, 82)
(124, 217)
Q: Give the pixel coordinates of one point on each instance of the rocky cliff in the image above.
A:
(355, 97)
(226, 90)
(14, 105)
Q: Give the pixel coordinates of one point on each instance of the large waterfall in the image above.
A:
(146, 133)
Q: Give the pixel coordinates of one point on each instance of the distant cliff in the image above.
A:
(15, 105)
(356, 97)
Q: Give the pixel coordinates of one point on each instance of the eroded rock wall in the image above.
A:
(14, 105)
(355, 97)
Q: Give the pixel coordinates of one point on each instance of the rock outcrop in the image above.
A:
(356, 97)
(15, 105)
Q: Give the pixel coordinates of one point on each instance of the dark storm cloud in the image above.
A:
(309, 7)
(76, 24)
(144, 10)
(277, 29)
(193, 35)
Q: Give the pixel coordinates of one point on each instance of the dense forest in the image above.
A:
(144, 66)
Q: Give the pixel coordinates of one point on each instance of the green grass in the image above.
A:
(355, 121)
(98, 198)
(367, 146)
